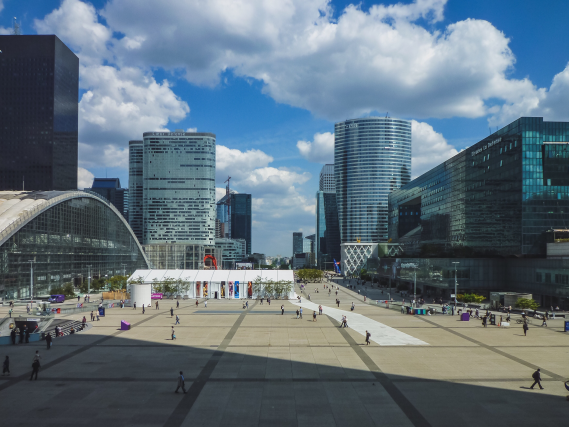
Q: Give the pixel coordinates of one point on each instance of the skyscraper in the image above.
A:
(135, 167)
(297, 243)
(179, 188)
(39, 89)
(327, 180)
(241, 218)
(327, 231)
(110, 189)
(372, 158)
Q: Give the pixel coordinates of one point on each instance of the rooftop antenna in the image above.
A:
(16, 31)
(387, 115)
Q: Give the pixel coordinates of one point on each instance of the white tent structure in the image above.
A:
(217, 284)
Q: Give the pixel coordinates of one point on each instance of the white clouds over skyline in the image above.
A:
(320, 150)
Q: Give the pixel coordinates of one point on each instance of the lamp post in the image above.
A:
(455, 284)
(31, 261)
(89, 281)
(415, 289)
(123, 269)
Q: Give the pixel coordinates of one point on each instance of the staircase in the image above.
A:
(65, 326)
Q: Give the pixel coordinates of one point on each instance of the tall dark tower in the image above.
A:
(39, 90)
(241, 218)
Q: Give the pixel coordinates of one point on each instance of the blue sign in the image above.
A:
(236, 289)
(567, 326)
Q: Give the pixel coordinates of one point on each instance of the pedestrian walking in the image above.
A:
(157, 307)
(171, 311)
(205, 304)
(197, 303)
(247, 305)
(544, 323)
(10, 313)
(338, 302)
(526, 327)
(297, 313)
(143, 309)
(134, 306)
(282, 311)
(13, 336)
(269, 301)
(78, 298)
(92, 316)
(173, 334)
(97, 314)
(84, 321)
(6, 367)
(48, 340)
(301, 312)
(314, 316)
(537, 379)
(177, 304)
(367, 337)
(36, 365)
(177, 320)
(27, 334)
(181, 383)
(319, 309)
(353, 306)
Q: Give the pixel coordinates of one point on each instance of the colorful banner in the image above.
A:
(198, 289)
(236, 289)
(250, 289)
(156, 296)
(230, 289)
(205, 289)
(222, 295)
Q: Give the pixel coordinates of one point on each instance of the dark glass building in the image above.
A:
(327, 230)
(39, 90)
(497, 197)
(241, 218)
(64, 233)
(488, 213)
(110, 189)
(297, 243)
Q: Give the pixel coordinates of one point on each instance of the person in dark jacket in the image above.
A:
(526, 327)
(13, 336)
(181, 383)
(48, 340)
(537, 379)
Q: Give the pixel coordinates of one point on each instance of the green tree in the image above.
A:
(66, 289)
(470, 298)
(527, 304)
(119, 282)
(257, 286)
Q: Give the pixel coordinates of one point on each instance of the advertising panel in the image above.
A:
(236, 289)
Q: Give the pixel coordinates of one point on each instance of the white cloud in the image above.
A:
(120, 101)
(380, 60)
(84, 178)
(121, 104)
(429, 149)
(238, 164)
(1, 5)
(321, 150)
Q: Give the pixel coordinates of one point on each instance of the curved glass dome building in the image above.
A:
(66, 235)
(372, 157)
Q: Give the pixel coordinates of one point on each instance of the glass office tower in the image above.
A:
(241, 218)
(297, 243)
(327, 228)
(497, 197)
(179, 188)
(135, 167)
(372, 158)
(110, 189)
(39, 90)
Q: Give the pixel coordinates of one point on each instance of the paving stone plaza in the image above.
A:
(257, 367)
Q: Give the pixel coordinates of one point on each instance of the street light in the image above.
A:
(455, 283)
(31, 261)
(89, 281)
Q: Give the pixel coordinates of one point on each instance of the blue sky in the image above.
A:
(270, 80)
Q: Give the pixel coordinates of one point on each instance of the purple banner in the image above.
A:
(156, 296)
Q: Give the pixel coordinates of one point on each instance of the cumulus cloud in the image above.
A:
(429, 148)
(321, 150)
(84, 178)
(120, 101)
(238, 164)
(359, 62)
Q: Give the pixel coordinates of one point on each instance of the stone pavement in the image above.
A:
(257, 367)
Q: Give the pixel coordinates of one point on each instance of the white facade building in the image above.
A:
(217, 284)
